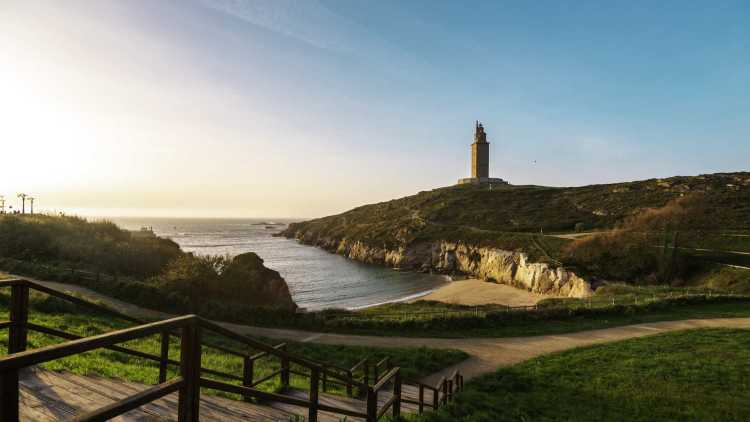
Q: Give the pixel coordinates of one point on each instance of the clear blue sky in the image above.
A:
(304, 108)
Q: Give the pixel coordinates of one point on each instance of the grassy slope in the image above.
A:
(522, 326)
(54, 313)
(499, 217)
(694, 375)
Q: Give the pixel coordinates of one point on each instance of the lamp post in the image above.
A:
(23, 202)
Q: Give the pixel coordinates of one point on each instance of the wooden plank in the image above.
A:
(131, 402)
(45, 394)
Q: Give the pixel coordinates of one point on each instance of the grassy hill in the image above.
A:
(481, 213)
(521, 218)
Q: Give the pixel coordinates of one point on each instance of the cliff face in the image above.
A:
(492, 264)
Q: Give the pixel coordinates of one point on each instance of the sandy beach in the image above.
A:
(479, 292)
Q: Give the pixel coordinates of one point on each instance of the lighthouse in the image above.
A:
(480, 159)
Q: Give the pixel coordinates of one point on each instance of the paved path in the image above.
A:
(486, 354)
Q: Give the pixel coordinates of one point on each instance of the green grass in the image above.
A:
(698, 375)
(481, 216)
(54, 313)
(533, 323)
(724, 278)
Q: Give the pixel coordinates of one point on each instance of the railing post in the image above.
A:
(190, 370)
(17, 339)
(366, 379)
(445, 391)
(19, 316)
(372, 405)
(314, 379)
(435, 399)
(450, 390)
(164, 357)
(248, 373)
(397, 395)
(9, 396)
(284, 373)
(421, 399)
(349, 380)
(325, 379)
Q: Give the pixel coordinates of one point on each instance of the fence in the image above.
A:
(190, 329)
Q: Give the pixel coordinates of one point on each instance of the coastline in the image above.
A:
(410, 298)
(469, 292)
(475, 292)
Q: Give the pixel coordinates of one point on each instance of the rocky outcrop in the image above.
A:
(246, 280)
(491, 264)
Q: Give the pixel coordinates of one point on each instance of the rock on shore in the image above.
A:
(491, 264)
(253, 283)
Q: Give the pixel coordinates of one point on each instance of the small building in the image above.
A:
(480, 160)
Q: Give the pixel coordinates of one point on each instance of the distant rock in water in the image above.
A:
(248, 281)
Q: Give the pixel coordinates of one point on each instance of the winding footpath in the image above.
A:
(486, 354)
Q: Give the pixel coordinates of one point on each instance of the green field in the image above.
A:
(698, 375)
(534, 323)
(54, 313)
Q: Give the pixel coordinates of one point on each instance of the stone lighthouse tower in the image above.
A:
(480, 159)
(480, 154)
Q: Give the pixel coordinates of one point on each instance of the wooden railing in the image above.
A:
(190, 330)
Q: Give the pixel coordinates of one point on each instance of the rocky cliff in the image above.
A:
(491, 264)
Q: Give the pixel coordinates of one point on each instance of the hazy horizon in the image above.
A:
(246, 109)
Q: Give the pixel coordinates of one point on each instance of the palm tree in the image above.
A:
(31, 199)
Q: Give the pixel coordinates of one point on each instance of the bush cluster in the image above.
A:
(97, 245)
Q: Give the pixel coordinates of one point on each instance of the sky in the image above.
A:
(279, 108)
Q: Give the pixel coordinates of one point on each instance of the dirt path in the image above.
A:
(486, 354)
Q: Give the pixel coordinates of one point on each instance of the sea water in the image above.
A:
(317, 279)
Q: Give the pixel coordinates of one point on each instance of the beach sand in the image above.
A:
(479, 292)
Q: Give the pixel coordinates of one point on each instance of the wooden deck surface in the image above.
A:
(54, 396)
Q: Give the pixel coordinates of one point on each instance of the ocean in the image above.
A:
(317, 279)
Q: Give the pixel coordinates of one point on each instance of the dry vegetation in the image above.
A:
(647, 246)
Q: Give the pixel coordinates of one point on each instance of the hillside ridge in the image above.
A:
(459, 229)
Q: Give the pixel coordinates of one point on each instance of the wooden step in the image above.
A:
(52, 396)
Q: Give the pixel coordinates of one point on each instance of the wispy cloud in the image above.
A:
(316, 25)
(307, 21)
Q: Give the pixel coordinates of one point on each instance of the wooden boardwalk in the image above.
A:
(54, 396)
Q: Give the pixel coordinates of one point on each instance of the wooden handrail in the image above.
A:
(82, 302)
(385, 407)
(189, 329)
(384, 380)
(358, 365)
(419, 383)
(129, 403)
(261, 355)
(44, 354)
(207, 324)
(246, 391)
